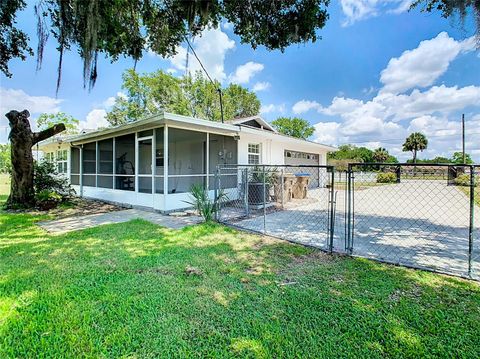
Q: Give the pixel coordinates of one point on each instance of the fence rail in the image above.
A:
(416, 215)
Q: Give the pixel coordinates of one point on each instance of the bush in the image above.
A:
(46, 177)
(464, 180)
(46, 199)
(49, 185)
(388, 177)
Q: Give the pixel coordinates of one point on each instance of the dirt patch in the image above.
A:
(76, 207)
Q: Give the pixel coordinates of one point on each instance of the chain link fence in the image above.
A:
(476, 224)
(420, 216)
(295, 203)
(424, 216)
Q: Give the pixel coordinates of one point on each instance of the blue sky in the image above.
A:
(377, 74)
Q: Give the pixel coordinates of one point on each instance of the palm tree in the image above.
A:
(417, 141)
(380, 155)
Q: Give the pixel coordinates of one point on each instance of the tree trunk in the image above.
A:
(22, 140)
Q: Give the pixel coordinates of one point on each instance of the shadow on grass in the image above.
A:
(123, 290)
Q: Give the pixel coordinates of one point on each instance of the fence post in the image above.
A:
(471, 224)
(332, 212)
(264, 201)
(282, 188)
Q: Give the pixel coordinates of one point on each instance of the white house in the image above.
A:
(127, 164)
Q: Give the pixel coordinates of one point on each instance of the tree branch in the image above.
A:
(49, 132)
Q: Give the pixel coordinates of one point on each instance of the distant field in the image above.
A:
(4, 184)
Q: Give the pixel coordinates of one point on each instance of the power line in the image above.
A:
(206, 72)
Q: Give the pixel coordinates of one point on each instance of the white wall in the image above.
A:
(273, 150)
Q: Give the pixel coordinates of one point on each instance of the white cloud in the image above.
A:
(423, 65)
(340, 105)
(211, 47)
(95, 119)
(272, 108)
(11, 99)
(356, 10)
(326, 132)
(392, 114)
(303, 106)
(245, 72)
(227, 25)
(261, 86)
(19, 100)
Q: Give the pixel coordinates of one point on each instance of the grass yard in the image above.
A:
(4, 184)
(137, 290)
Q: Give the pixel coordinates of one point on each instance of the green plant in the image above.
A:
(259, 174)
(464, 180)
(46, 178)
(388, 177)
(202, 202)
(47, 195)
(47, 199)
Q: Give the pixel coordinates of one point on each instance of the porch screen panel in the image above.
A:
(187, 159)
(145, 165)
(158, 160)
(125, 162)
(89, 162)
(105, 164)
(223, 151)
(75, 166)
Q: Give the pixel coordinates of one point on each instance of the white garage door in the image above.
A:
(296, 158)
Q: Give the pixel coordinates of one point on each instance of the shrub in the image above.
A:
(46, 178)
(202, 202)
(464, 180)
(388, 177)
(47, 199)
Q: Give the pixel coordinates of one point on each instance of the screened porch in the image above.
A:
(163, 160)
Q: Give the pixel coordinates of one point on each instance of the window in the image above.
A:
(49, 157)
(254, 153)
(62, 156)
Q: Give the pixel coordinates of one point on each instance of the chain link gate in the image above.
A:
(295, 203)
(475, 261)
(420, 216)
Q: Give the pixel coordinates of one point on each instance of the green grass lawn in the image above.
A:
(137, 290)
(4, 184)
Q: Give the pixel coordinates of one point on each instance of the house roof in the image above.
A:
(232, 128)
(244, 121)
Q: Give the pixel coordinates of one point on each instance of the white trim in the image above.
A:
(114, 163)
(165, 159)
(136, 162)
(207, 156)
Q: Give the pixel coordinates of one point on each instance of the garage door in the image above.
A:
(296, 158)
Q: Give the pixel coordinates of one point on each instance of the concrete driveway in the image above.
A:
(417, 223)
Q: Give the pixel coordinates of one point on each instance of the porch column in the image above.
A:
(154, 159)
(208, 160)
(97, 163)
(81, 171)
(113, 164)
(165, 161)
(136, 162)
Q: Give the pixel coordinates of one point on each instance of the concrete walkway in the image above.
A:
(77, 223)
